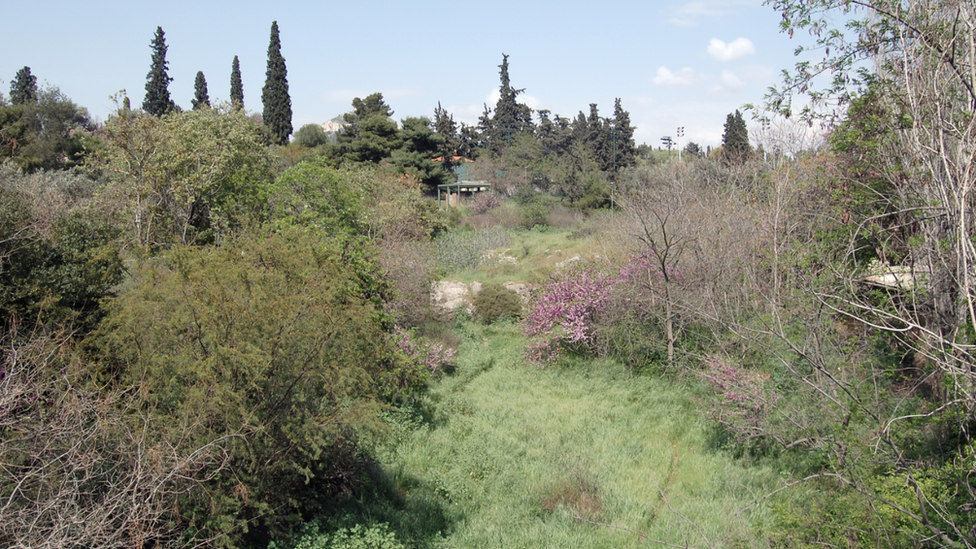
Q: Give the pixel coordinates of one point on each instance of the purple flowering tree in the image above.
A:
(563, 314)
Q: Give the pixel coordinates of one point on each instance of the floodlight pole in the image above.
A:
(681, 133)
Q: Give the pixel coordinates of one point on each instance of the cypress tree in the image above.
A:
(735, 140)
(23, 88)
(158, 102)
(236, 85)
(274, 96)
(200, 96)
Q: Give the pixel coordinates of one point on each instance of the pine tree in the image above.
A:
(201, 98)
(445, 126)
(510, 117)
(274, 96)
(624, 149)
(23, 88)
(735, 140)
(236, 85)
(158, 102)
(599, 138)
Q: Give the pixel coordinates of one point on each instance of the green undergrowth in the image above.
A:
(583, 454)
(532, 255)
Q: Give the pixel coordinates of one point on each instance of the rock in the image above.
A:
(524, 291)
(446, 296)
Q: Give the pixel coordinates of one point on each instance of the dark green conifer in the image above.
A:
(274, 96)
(158, 102)
(201, 98)
(236, 85)
(599, 138)
(624, 149)
(735, 140)
(23, 88)
(510, 117)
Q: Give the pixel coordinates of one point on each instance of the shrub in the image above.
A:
(533, 214)
(495, 301)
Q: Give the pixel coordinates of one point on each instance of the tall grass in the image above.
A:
(579, 455)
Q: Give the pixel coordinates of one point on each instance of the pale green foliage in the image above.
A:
(185, 177)
(314, 196)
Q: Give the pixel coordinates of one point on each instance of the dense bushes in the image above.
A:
(57, 263)
(269, 346)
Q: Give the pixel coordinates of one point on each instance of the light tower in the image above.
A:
(681, 133)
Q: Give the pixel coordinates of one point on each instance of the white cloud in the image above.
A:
(737, 49)
(684, 77)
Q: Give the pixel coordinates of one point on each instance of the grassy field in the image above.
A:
(503, 454)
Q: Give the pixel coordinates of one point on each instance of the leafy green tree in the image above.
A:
(188, 177)
(735, 140)
(23, 88)
(274, 96)
(201, 98)
(311, 136)
(236, 85)
(158, 101)
(50, 133)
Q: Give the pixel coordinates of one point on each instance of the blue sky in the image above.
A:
(672, 63)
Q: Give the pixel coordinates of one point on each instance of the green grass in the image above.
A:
(503, 454)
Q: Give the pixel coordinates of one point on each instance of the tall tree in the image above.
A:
(236, 85)
(624, 149)
(735, 140)
(201, 98)
(599, 138)
(158, 101)
(23, 88)
(274, 96)
(445, 126)
(510, 117)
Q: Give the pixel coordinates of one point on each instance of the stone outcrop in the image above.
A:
(446, 296)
